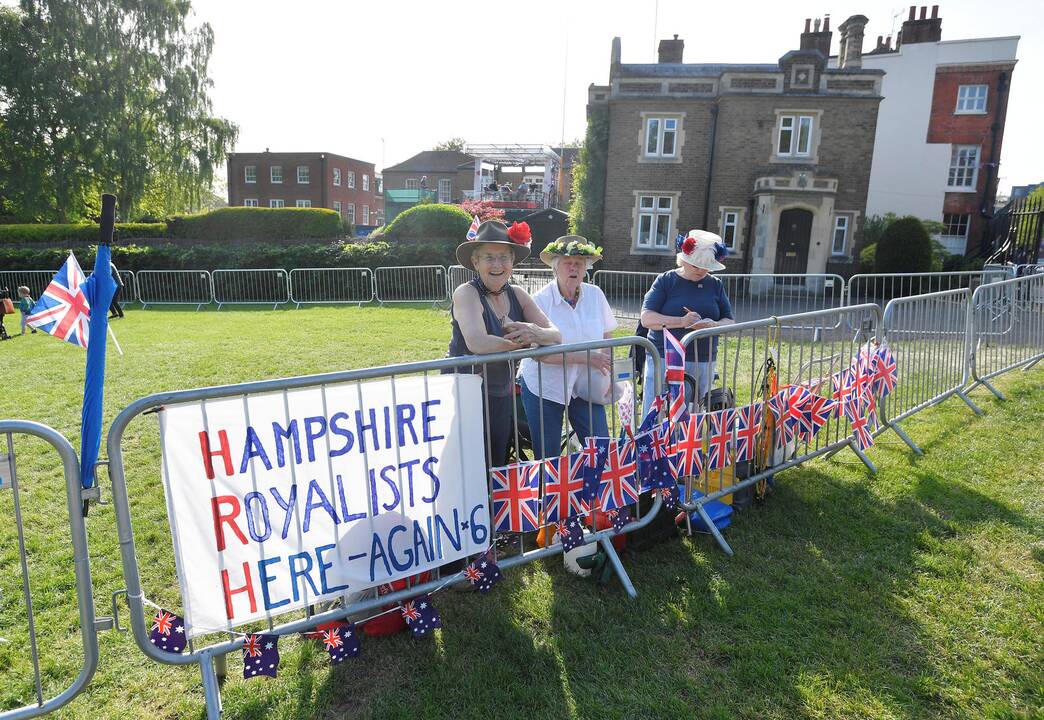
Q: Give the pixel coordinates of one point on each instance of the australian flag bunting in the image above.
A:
(260, 655)
(619, 518)
(340, 640)
(168, 632)
(421, 616)
(594, 454)
(570, 534)
(483, 572)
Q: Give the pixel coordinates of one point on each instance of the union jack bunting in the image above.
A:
(592, 463)
(63, 310)
(787, 406)
(843, 385)
(420, 615)
(516, 497)
(168, 631)
(664, 473)
(473, 230)
(483, 572)
(748, 427)
(260, 655)
(720, 439)
(689, 449)
(861, 431)
(814, 416)
(886, 373)
(564, 488)
(619, 481)
(674, 360)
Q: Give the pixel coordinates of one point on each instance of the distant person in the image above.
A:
(114, 307)
(25, 305)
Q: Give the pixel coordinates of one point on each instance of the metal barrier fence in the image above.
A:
(753, 296)
(491, 365)
(174, 287)
(752, 360)
(130, 287)
(411, 284)
(1007, 328)
(267, 286)
(881, 287)
(331, 285)
(928, 336)
(35, 280)
(62, 644)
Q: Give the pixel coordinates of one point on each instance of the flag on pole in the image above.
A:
(674, 359)
(473, 230)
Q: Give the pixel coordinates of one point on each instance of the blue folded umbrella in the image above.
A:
(719, 513)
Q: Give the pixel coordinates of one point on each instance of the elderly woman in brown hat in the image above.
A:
(490, 315)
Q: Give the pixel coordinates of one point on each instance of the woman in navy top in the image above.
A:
(687, 299)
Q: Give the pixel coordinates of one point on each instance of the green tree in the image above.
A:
(457, 143)
(904, 247)
(97, 95)
(588, 205)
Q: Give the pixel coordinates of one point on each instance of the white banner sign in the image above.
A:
(281, 499)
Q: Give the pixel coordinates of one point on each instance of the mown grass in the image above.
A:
(915, 593)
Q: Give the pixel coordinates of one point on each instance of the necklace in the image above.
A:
(487, 291)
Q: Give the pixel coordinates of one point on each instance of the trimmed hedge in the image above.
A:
(904, 247)
(421, 222)
(75, 234)
(247, 223)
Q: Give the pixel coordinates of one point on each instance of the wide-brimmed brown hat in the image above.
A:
(517, 237)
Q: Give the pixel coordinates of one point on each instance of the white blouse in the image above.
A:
(591, 319)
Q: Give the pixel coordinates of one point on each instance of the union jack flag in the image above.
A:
(593, 461)
(814, 416)
(689, 449)
(674, 360)
(473, 230)
(787, 406)
(886, 373)
(516, 497)
(420, 615)
(260, 655)
(564, 488)
(844, 386)
(168, 631)
(484, 572)
(619, 483)
(748, 427)
(861, 431)
(720, 438)
(63, 310)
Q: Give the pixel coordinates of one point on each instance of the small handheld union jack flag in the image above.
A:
(564, 488)
(63, 310)
(483, 573)
(570, 534)
(748, 428)
(260, 655)
(340, 640)
(473, 230)
(516, 497)
(619, 478)
(168, 631)
(421, 616)
(674, 360)
(720, 439)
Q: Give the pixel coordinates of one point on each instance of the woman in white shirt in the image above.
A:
(581, 312)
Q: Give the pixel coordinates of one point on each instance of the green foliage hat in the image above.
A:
(571, 246)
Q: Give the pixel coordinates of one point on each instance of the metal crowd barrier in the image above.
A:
(174, 287)
(35, 280)
(881, 287)
(411, 284)
(208, 655)
(52, 642)
(130, 287)
(1007, 328)
(457, 275)
(267, 286)
(624, 290)
(928, 336)
(754, 359)
(331, 285)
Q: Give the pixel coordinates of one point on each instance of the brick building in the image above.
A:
(321, 180)
(447, 173)
(940, 127)
(773, 157)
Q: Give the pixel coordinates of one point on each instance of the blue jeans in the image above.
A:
(547, 438)
(702, 371)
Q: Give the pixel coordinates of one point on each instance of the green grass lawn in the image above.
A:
(916, 593)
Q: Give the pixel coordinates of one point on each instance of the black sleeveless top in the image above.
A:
(498, 376)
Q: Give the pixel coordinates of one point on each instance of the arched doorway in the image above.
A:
(795, 232)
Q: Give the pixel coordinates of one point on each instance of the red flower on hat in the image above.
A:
(519, 233)
(689, 245)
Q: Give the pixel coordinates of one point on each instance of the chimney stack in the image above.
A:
(818, 38)
(670, 51)
(850, 52)
(923, 29)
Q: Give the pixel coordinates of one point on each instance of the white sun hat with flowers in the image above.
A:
(702, 249)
